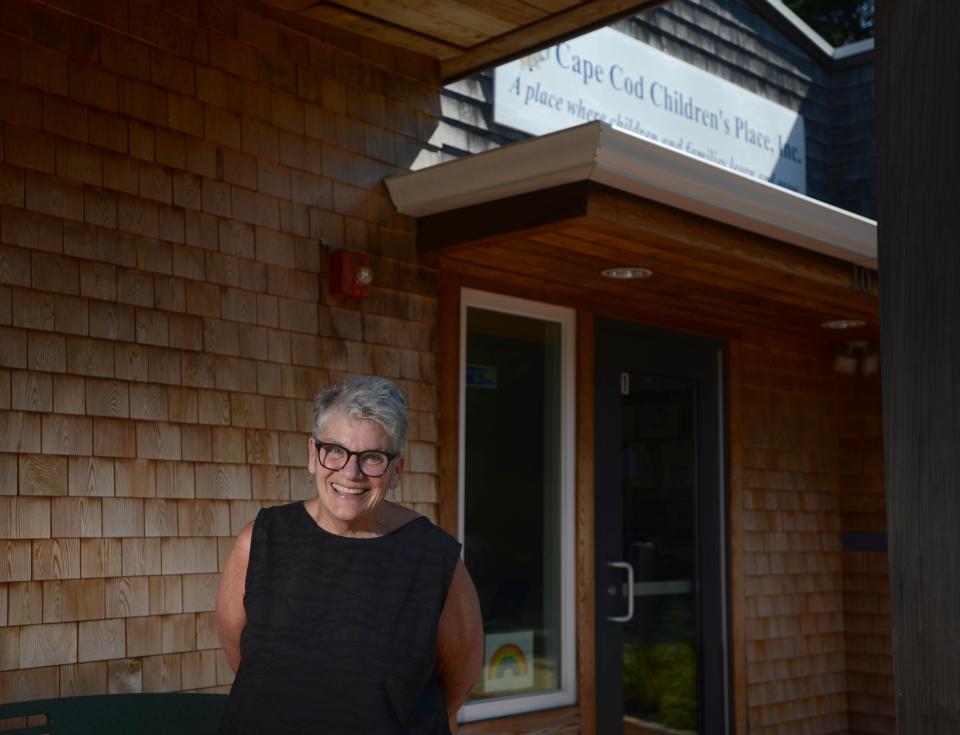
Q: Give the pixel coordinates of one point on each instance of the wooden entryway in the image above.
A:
(661, 622)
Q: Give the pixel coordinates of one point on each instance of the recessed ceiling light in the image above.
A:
(626, 273)
(843, 324)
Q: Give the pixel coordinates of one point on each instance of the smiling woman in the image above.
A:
(351, 484)
(348, 613)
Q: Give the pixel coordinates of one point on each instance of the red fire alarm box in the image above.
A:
(350, 274)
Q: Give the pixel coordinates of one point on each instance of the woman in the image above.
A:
(347, 613)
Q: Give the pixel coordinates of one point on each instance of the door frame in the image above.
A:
(683, 355)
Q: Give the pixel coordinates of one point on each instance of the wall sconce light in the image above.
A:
(870, 364)
(843, 324)
(857, 359)
(350, 274)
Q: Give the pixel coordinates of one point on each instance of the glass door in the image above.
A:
(660, 610)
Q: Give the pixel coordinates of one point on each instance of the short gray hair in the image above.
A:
(364, 397)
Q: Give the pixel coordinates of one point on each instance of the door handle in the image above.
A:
(629, 568)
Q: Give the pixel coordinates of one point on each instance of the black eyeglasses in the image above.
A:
(372, 463)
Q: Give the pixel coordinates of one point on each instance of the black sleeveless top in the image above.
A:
(341, 632)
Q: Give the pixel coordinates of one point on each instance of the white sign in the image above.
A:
(609, 76)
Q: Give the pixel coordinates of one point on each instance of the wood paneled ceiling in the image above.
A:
(467, 36)
(708, 277)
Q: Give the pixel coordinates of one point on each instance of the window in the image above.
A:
(517, 499)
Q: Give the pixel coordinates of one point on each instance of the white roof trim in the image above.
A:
(852, 49)
(597, 152)
(834, 52)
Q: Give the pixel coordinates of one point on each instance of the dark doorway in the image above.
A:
(661, 542)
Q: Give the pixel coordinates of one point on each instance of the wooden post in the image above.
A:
(586, 540)
(448, 517)
(918, 144)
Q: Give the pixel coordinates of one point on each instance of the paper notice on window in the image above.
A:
(508, 661)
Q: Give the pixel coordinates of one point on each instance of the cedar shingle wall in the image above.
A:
(866, 573)
(818, 625)
(167, 174)
(792, 559)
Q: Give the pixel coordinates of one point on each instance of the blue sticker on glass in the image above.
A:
(481, 376)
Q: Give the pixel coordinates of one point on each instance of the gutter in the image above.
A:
(602, 154)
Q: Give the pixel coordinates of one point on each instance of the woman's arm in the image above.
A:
(231, 616)
(459, 642)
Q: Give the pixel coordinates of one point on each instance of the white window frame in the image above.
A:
(566, 317)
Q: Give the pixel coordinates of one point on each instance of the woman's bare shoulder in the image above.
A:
(394, 515)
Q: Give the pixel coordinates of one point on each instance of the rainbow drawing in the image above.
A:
(508, 661)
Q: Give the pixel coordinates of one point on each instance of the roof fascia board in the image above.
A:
(820, 49)
(797, 22)
(599, 153)
(685, 182)
(856, 48)
(517, 168)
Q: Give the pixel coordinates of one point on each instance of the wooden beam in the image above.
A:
(586, 541)
(575, 21)
(560, 721)
(918, 159)
(439, 234)
(449, 379)
(735, 513)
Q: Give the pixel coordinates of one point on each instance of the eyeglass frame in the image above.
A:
(318, 444)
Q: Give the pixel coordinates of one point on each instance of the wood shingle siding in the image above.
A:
(171, 181)
(171, 184)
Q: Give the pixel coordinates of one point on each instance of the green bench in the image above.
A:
(113, 714)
